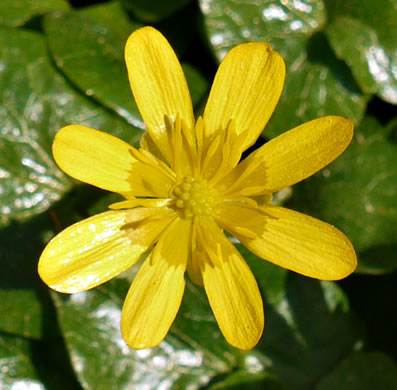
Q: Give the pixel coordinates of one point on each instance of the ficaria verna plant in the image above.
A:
(187, 185)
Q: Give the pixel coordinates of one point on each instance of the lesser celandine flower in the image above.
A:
(185, 186)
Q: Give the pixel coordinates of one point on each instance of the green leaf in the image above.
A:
(34, 365)
(154, 10)
(271, 278)
(363, 35)
(25, 306)
(317, 84)
(17, 12)
(113, 16)
(36, 103)
(309, 330)
(191, 354)
(358, 194)
(362, 371)
(91, 54)
(16, 368)
(308, 325)
(21, 311)
(248, 381)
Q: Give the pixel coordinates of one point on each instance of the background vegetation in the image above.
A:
(61, 62)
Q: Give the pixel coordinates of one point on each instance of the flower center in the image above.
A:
(194, 197)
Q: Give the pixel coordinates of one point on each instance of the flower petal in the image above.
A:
(156, 293)
(97, 249)
(291, 240)
(193, 264)
(246, 89)
(231, 288)
(107, 162)
(291, 157)
(158, 83)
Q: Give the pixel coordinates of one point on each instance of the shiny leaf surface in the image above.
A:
(363, 35)
(36, 102)
(92, 55)
(91, 324)
(358, 194)
(317, 84)
(195, 353)
(67, 66)
(296, 349)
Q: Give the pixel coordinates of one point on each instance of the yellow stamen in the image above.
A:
(194, 197)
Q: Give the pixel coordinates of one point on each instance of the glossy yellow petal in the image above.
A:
(193, 264)
(291, 157)
(96, 249)
(246, 89)
(107, 162)
(231, 288)
(156, 293)
(145, 202)
(93, 157)
(158, 84)
(194, 274)
(292, 240)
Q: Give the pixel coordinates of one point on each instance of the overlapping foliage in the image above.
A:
(60, 64)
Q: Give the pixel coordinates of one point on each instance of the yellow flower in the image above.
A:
(186, 185)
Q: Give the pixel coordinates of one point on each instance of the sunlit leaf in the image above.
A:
(363, 35)
(189, 357)
(299, 345)
(36, 102)
(317, 84)
(92, 55)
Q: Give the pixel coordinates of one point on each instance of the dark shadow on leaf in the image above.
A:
(303, 337)
(320, 52)
(379, 259)
(241, 380)
(374, 298)
(21, 245)
(49, 355)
